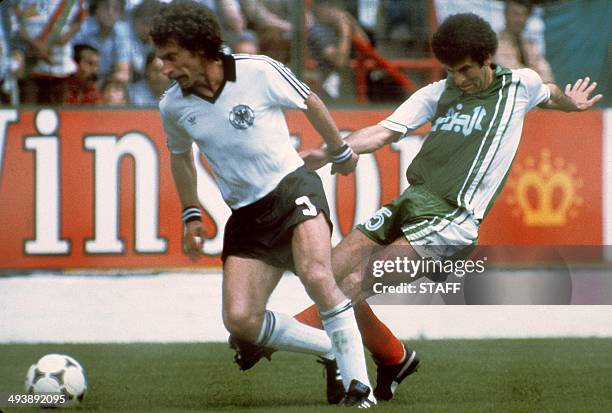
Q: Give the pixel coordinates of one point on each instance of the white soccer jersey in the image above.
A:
(473, 138)
(242, 130)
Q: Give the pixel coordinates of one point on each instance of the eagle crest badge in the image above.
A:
(241, 117)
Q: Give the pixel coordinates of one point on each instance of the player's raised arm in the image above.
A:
(576, 96)
(340, 153)
(185, 181)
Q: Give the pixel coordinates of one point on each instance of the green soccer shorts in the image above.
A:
(433, 228)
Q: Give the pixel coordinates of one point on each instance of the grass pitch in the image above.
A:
(534, 375)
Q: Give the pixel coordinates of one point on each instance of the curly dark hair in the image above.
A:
(461, 36)
(191, 25)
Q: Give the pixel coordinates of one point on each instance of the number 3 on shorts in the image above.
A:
(310, 210)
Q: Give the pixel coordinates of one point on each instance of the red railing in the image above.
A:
(369, 59)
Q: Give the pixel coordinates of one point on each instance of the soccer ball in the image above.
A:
(57, 374)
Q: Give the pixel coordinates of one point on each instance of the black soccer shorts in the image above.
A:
(263, 229)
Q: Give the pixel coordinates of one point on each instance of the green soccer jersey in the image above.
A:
(473, 139)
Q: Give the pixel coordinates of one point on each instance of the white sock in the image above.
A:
(340, 325)
(282, 332)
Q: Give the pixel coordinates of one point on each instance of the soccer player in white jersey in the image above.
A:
(477, 116)
(231, 107)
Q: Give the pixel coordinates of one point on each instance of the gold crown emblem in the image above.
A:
(545, 194)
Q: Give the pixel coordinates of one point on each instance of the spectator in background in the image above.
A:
(330, 31)
(114, 93)
(11, 61)
(81, 87)
(405, 23)
(147, 91)
(141, 44)
(45, 30)
(233, 23)
(245, 42)
(104, 30)
(515, 51)
(229, 14)
(271, 20)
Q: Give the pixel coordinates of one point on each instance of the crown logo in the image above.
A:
(545, 194)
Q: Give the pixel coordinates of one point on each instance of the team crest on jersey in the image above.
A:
(241, 117)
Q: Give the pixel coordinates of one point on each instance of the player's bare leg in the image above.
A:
(348, 259)
(394, 361)
(312, 259)
(352, 255)
(247, 285)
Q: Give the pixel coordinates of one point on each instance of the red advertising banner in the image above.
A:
(93, 189)
(554, 194)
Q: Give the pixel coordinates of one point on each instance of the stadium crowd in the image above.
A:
(98, 52)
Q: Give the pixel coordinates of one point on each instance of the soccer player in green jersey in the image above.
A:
(476, 117)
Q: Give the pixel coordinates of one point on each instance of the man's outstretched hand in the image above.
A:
(579, 93)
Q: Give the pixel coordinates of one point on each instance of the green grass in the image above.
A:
(535, 375)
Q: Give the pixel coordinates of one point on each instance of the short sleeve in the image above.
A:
(537, 91)
(283, 86)
(417, 110)
(176, 139)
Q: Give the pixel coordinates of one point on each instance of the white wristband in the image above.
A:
(191, 214)
(344, 154)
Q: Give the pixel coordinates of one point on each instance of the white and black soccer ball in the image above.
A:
(57, 374)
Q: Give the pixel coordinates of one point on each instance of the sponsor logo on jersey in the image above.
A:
(457, 121)
(241, 117)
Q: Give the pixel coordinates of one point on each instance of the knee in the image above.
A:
(318, 278)
(315, 273)
(242, 323)
(355, 286)
(321, 286)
